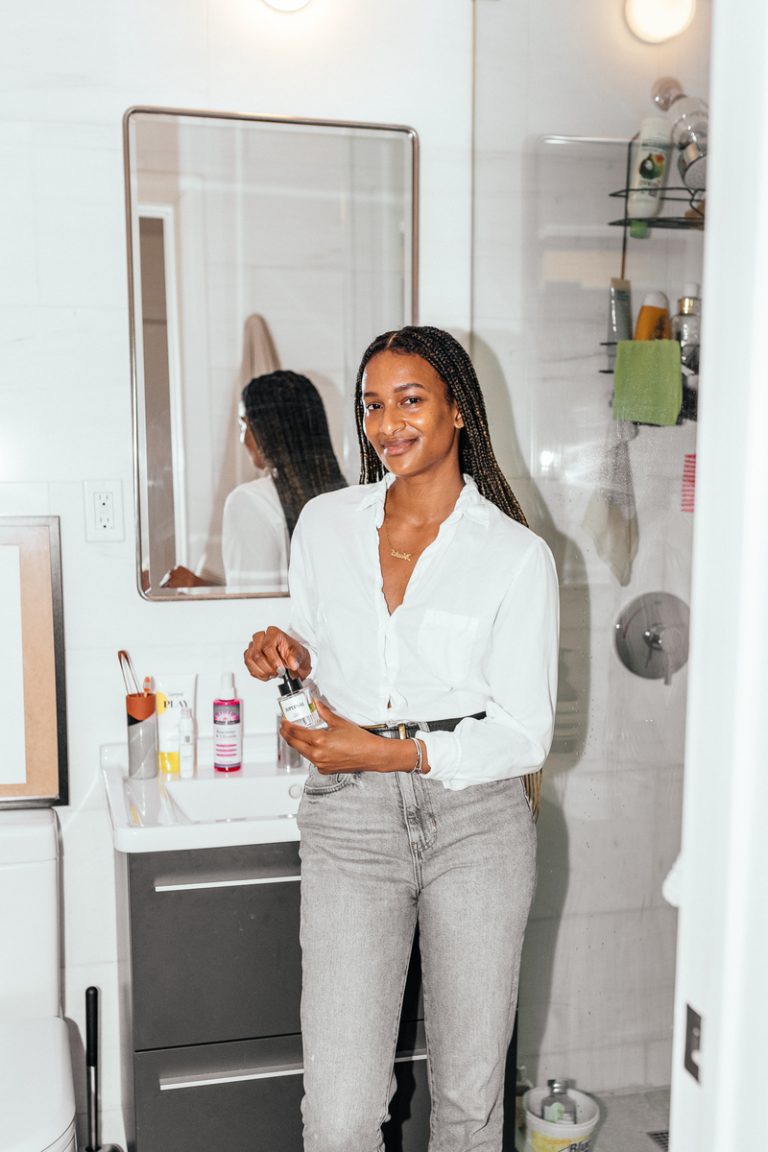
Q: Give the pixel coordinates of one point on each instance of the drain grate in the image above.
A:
(660, 1138)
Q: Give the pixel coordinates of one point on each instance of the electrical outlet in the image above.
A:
(103, 509)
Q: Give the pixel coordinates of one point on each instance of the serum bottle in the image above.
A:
(296, 702)
(227, 728)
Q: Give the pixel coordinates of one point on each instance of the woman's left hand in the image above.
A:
(346, 747)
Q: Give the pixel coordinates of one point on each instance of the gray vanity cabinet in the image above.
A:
(210, 986)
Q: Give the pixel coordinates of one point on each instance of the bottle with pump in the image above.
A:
(686, 328)
(227, 728)
(186, 744)
(650, 161)
(296, 702)
(558, 1107)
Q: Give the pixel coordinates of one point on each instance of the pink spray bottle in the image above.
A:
(227, 728)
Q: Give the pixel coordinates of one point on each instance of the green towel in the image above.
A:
(647, 381)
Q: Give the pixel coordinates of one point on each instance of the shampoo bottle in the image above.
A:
(650, 160)
(227, 728)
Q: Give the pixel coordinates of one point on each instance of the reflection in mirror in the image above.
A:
(284, 431)
(264, 255)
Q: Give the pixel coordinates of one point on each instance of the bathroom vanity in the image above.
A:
(210, 967)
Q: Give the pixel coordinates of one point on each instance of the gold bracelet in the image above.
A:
(419, 758)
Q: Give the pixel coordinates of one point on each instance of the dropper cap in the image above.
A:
(289, 683)
(227, 689)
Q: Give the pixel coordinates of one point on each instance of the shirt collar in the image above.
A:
(470, 503)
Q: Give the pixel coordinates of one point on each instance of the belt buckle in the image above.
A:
(402, 730)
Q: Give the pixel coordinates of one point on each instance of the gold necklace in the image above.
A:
(393, 551)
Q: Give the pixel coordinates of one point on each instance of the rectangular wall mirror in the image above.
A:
(255, 246)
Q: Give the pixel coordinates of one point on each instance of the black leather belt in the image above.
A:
(407, 729)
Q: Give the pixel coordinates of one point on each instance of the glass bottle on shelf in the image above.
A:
(686, 328)
(688, 118)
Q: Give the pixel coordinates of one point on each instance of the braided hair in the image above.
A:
(287, 420)
(454, 367)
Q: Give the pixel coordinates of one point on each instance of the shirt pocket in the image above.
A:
(446, 644)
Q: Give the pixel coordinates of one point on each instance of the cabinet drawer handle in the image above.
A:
(196, 885)
(208, 1079)
(172, 1083)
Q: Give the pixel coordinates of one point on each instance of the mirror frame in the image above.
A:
(215, 592)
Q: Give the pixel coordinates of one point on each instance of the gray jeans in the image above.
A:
(381, 852)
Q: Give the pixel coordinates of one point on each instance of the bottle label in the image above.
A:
(649, 175)
(227, 752)
(226, 713)
(299, 709)
(557, 1114)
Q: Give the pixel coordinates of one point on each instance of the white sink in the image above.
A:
(237, 797)
(256, 805)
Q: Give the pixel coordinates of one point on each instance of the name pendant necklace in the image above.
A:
(394, 551)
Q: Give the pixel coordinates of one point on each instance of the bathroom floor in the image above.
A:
(627, 1118)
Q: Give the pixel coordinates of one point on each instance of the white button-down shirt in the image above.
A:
(254, 538)
(477, 630)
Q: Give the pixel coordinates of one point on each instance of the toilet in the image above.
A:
(37, 1099)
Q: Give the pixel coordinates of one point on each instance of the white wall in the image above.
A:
(723, 954)
(69, 72)
(597, 984)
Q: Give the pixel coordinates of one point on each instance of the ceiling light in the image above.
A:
(657, 20)
(287, 5)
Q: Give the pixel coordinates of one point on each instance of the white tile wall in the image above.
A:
(69, 74)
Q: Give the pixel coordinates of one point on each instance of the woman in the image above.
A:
(427, 613)
(284, 430)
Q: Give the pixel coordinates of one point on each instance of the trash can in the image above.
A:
(544, 1136)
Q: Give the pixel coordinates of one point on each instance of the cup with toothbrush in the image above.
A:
(141, 717)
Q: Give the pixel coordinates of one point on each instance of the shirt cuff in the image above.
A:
(443, 753)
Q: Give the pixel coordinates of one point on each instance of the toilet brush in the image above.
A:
(92, 1071)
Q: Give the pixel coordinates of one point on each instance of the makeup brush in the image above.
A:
(129, 676)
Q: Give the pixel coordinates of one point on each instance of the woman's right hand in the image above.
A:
(275, 649)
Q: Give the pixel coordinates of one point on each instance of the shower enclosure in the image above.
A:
(597, 983)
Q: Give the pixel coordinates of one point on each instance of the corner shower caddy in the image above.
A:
(677, 194)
